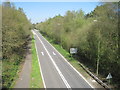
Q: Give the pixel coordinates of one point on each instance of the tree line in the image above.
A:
(15, 37)
(96, 35)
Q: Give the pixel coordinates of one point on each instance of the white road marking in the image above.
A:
(58, 70)
(69, 64)
(33, 32)
(42, 53)
(93, 81)
(40, 66)
(54, 53)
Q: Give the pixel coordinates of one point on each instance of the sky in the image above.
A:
(41, 11)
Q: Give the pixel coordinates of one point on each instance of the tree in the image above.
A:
(15, 34)
(97, 42)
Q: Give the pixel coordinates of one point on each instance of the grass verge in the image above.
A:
(67, 55)
(36, 79)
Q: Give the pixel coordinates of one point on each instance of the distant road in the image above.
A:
(56, 71)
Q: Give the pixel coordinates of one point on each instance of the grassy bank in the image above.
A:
(67, 55)
(36, 79)
(10, 71)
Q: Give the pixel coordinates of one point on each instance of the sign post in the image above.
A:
(73, 50)
(109, 77)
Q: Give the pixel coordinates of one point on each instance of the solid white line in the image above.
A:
(60, 73)
(33, 32)
(42, 53)
(40, 66)
(54, 53)
(69, 64)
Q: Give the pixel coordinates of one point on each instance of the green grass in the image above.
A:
(67, 55)
(36, 79)
(10, 72)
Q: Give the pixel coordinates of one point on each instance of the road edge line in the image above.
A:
(58, 70)
(70, 64)
(40, 65)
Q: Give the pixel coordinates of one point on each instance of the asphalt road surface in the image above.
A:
(56, 71)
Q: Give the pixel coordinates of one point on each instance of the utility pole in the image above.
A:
(98, 50)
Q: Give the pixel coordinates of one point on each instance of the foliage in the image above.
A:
(95, 35)
(15, 33)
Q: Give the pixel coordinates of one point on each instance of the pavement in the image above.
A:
(56, 71)
(24, 76)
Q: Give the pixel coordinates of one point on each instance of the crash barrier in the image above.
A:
(96, 78)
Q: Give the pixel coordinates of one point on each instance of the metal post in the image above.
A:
(109, 81)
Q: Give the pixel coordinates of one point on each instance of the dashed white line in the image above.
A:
(42, 53)
(69, 63)
(54, 53)
(58, 70)
(39, 64)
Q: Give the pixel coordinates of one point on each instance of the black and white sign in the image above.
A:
(73, 50)
(109, 76)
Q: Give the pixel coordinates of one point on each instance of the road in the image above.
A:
(56, 71)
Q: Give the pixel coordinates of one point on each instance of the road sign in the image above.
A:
(109, 76)
(73, 50)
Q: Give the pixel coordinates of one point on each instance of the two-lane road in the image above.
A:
(56, 71)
